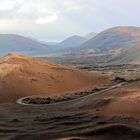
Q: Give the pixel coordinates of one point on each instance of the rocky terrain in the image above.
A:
(108, 108)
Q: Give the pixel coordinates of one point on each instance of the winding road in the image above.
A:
(20, 101)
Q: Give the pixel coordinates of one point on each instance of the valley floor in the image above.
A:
(112, 114)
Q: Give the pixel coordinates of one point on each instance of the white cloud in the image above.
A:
(46, 16)
(61, 18)
(40, 12)
(7, 5)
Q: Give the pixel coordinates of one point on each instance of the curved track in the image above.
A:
(20, 101)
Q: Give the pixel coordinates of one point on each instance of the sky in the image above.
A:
(55, 20)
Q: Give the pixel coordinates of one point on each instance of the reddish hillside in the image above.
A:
(23, 76)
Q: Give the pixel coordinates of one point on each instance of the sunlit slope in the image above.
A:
(24, 76)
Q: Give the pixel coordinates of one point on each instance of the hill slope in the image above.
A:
(90, 35)
(130, 56)
(23, 76)
(70, 42)
(113, 39)
(115, 45)
(10, 43)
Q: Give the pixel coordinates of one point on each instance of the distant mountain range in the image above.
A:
(112, 40)
(121, 44)
(10, 43)
(90, 35)
(69, 43)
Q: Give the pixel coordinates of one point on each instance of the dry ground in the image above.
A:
(112, 114)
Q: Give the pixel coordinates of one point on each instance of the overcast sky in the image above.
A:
(54, 20)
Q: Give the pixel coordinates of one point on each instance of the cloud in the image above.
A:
(39, 12)
(61, 18)
(46, 16)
